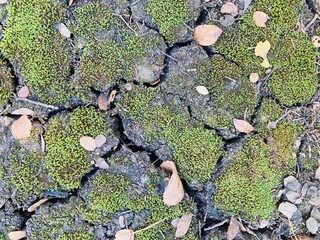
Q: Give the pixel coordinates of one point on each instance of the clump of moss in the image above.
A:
(40, 50)
(168, 15)
(6, 83)
(291, 82)
(270, 111)
(66, 161)
(244, 188)
(82, 234)
(195, 149)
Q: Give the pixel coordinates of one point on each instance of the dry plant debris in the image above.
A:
(88, 143)
(21, 128)
(229, 8)
(242, 126)
(23, 92)
(125, 234)
(261, 50)
(260, 18)
(206, 35)
(183, 225)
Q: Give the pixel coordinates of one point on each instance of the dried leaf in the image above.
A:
(125, 234)
(272, 125)
(233, 228)
(42, 144)
(122, 222)
(260, 18)
(261, 50)
(33, 207)
(183, 225)
(317, 176)
(103, 102)
(3, 1)
(230, 8)
(315, 41)
(70, 3)
(112, 96)
(100, 140)
(101, 163)
(202, 90)
(303, 237)
(174, 191)
(23, 111)
(17, 235)
(64, 30)
(88, 143)
(174, 222)
(254, 77)
(21, 128)
(242, 126)
(207, 35)
(23, 92)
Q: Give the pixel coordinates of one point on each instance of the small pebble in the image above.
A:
(292, 196)
(315, 213)
(312, 225)
(291, 183)
(287, 209)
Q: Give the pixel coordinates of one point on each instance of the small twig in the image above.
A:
(190, 28)
(125, 22)
(36, 103)
(216, 225)
(316, 16)
(169, 56)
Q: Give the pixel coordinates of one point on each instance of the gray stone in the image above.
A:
(287, 209)
(315, 213)
(312, 225)
(291, 183)
(292, 196)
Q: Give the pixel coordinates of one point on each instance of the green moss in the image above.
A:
(270, 111)
(77, 234)
(6, 83)
(195, 149)
(168, 15)
(40, 50)
(291, 82)
(66, 161)
(2, 237)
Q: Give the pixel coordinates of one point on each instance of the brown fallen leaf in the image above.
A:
(125, 234)
(16, 235)
(303, 237)
(88, 143)
(174, 191)
(174, 222)
(315, 41)
(64, 31)
(260, 18)
(254, 77)
(202, 90)
(23, 111)
(21, 128)
(33, 207)
(183, 225)
(101, 163)
(230, 8)
(317, 176)
(206, 35)
(112, 96)
(233, 228)
(23, 92)
(3, 1)
(103, 102)
(100, 140)
(242, 126)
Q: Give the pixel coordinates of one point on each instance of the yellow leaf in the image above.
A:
(265, 63)
(262, 50)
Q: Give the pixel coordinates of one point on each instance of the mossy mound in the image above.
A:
(40, 51)
(66, 161)
(292, 54)
(6, 83)
(161, 117)
(244, 187)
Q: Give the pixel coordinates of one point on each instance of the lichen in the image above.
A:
(6, 83)
(291, 82)
(66, 161)
(41, 52)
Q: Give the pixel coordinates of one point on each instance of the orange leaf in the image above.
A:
(233, 228)
(254, 77)
(230, 8)
(103, 102)
(112, 96)
(260, 18)
(88, 143)
(33, 207)
(17, 235)
(21, 128)
(242, 125)
(207, 35)
(174, 191)
(125, 234)
(183, 225)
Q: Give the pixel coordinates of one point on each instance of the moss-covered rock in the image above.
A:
(40, 51)
(66, 161)
(6, 83)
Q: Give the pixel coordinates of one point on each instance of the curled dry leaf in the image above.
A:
(206, 35)
(315, 41)
(64, 31)
(174, 191)
(230, 8)
(112, 96)
(100, 140)
(242, 126)
(202, 90)
(261, 50)
(23, 111)
(254, 77)
(17, 235)
(103, 102)
(21, 128)
(125, 234)
(183, 225)
(33, 207)
(260, 18)
(88, 143)
(23, 92)
(233, 228)
(317, 176)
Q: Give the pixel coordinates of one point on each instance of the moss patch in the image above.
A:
(41, 52)
(6, 83)
(66, 161)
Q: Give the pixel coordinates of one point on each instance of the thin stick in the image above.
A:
(36, 103)
(169, 56)
(125, 22)
(216, 225)
(311, 22)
